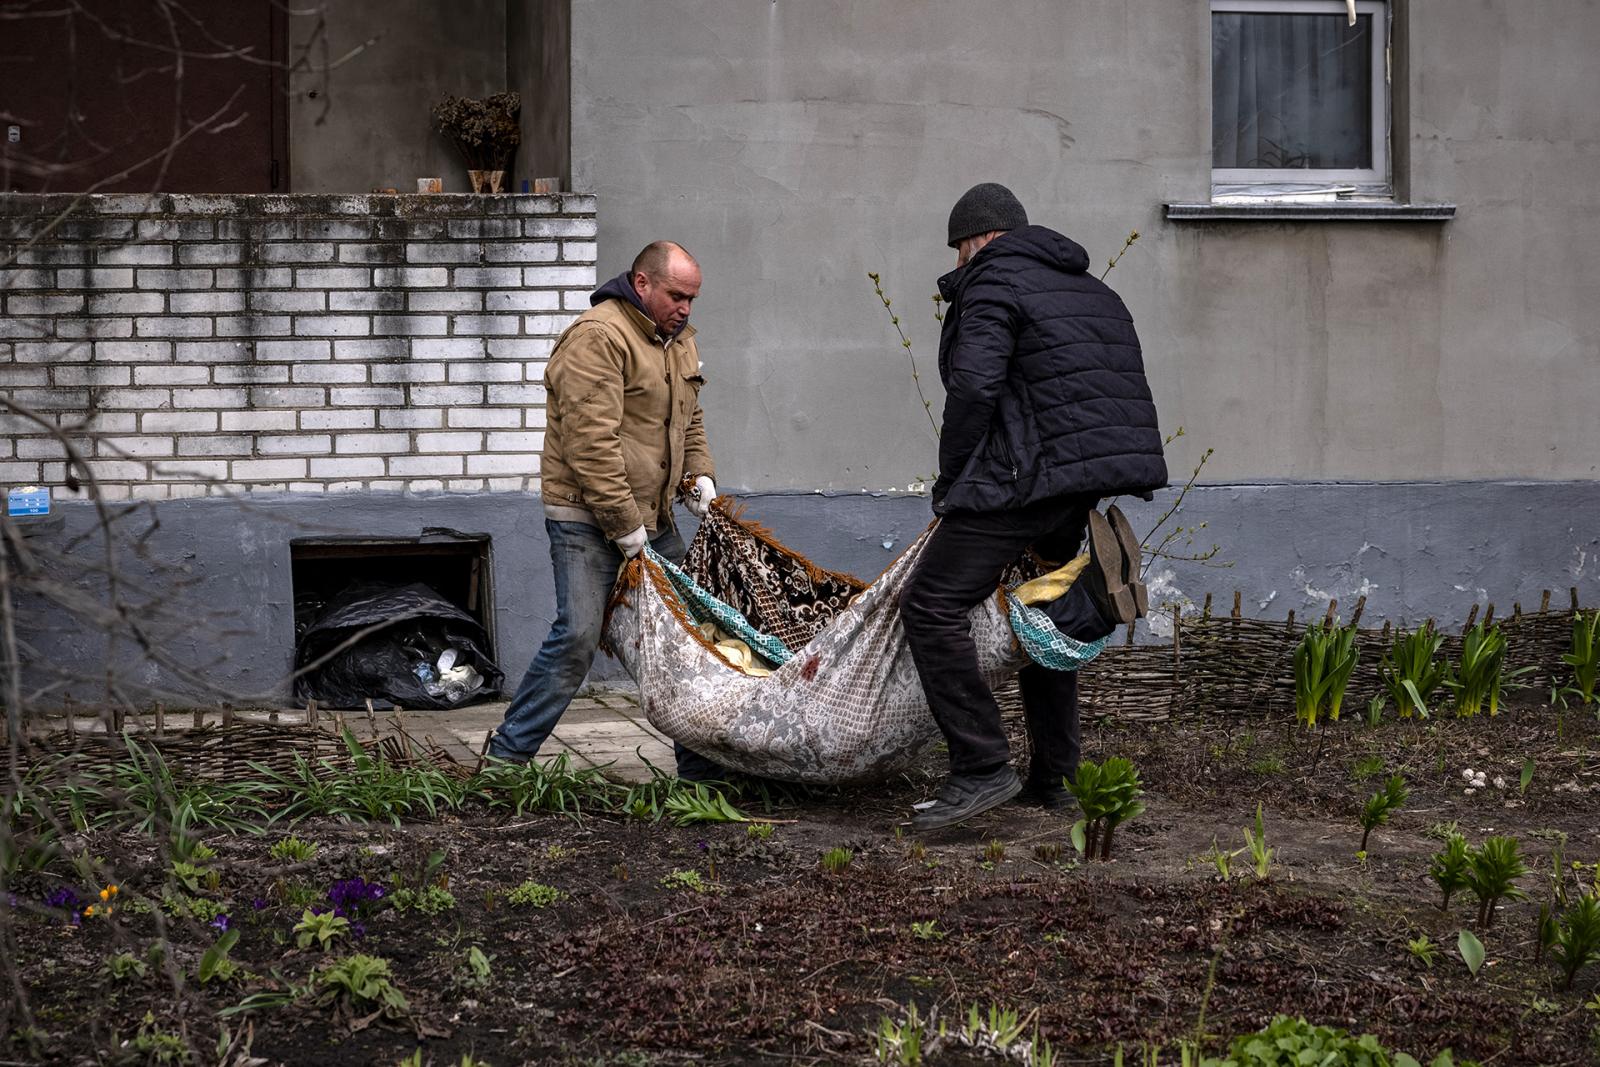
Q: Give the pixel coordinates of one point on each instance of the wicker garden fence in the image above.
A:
(1231, 665)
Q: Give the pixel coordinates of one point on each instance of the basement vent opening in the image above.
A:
(400, 621)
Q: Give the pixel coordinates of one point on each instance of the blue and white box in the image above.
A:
(28, 500)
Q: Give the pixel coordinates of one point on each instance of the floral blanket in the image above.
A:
(843, 702)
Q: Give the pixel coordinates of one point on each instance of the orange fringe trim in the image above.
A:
(767, 537)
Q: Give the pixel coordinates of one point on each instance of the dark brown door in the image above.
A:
(143, 96)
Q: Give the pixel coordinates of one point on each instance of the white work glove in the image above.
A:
(633, 543)
(700, 497)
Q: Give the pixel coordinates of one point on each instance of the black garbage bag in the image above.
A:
(423, 651)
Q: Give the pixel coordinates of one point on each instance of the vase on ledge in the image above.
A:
(487, 181)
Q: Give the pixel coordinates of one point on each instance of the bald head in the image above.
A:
(655, 257)
(667, 279)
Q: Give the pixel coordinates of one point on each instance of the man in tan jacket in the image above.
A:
(625, 429)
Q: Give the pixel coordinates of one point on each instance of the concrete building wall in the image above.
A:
(538, 55)
(359, 108)
(796, 146)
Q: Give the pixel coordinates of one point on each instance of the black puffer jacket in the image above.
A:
(1045, 393)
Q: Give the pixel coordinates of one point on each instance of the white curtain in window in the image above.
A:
(1291, 91)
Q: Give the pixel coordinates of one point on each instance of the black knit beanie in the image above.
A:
(986, 206)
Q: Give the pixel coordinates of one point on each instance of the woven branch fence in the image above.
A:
(1230, 665)
(226, 748)
(1213, 665)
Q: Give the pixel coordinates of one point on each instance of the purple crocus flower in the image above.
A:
(65, 897)
(353, 897)
(221, 923)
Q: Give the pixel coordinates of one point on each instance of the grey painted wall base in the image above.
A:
(1413, 549)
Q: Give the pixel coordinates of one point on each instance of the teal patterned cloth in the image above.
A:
(1044, 644)
(703, 607)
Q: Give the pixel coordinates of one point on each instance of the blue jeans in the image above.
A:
(586, 566)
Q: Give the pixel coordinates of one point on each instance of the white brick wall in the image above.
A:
(308, 344)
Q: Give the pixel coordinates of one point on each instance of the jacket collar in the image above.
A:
(1031, 242)
(647, 328)
(621, 289)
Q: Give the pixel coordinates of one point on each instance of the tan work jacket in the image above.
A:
(624, 421)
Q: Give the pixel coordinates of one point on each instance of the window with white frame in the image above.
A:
(1299, 96)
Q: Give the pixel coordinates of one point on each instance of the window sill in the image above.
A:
(1333, 211)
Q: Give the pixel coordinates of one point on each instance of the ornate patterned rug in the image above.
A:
(839, 699)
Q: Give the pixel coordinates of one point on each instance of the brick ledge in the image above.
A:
(296, 205)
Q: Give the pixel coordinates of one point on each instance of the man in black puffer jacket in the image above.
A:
(1046, 411)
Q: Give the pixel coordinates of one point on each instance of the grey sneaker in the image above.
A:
(964, 795)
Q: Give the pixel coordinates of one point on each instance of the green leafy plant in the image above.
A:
(1256, 843)
(1576, 939)
(1367, 767)
(1323, 663)
(476, 968)
(200, 909)
(687, 880)
(1492, 874)
(1422, 950)
(1480, 676)
(555, 786)
(431, 900)
(1471, 950)
(994, 852)
(293, 850)
(1450, 867)
(927, 930)
(1109, 795)
(1411, 669)
(124, 965)
(1526, 778)
(1375, 708)
(320, 928)
(1382, 804)
(1584, 659)
(900, 1043)
(1287, 1042)
(1048, 852)
(838, 859)
(189, 867)
(361, 983)
(531, 894)
(999, 1029)
(215, 966)
(1221, 859)
(157, 1046)
(1267, 766)
(700, 803)
(759, 831)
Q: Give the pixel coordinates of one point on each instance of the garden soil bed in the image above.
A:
(775, 960)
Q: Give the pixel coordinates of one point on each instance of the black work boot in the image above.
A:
(964, 795)
(1129, 542)
(1047, 793)
(1105, 579)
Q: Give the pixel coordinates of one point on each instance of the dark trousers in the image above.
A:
(960, 567)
